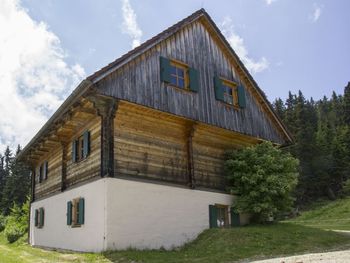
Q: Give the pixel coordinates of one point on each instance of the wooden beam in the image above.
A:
(190, 160)
(106, 109)
(32, 184)
(64, 166)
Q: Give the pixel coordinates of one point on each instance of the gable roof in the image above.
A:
(84, 86)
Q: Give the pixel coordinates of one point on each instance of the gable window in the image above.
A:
(75, 212)
(178, 74)
(229, 92)
(39, 215)
(81, 147)
(43, 171)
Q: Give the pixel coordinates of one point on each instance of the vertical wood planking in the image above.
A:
(139, 82)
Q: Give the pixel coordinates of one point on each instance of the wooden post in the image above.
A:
(106, 109)
(33, 184)
(64, 146)
(190, 163)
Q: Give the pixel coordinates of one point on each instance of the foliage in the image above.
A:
(2, 222)
(322, 143)
(17, 222)
(263, 178)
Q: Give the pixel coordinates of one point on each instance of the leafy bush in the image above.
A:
(263, 178)
(17, 222)
(2, 222)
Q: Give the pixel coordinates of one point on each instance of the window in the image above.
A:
(178, 74)
(75, 212)
(218, 216)
(43, 171)
(81, 147)
(39, 217)
(229, 92)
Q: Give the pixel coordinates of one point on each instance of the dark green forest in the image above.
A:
(321, 131)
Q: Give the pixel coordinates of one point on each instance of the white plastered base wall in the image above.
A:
(57, 234)
(122, 214)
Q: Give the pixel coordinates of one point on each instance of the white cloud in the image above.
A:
(34, 77)
(238, 46)
(130, 25)
(269, 2)
(317, 11)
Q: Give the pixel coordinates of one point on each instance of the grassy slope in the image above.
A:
(215, 245)
(21, 252)
(327, 215)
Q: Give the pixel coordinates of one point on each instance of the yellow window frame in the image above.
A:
(234, 93)
(184, 67)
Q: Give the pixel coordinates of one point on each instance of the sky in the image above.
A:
(48, 47)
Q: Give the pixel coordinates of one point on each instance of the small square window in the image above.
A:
(230, 92)
(178, 75)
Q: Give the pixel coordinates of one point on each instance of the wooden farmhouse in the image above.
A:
(135, 155)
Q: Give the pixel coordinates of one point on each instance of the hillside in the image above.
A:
(214, 245)
(333, 215)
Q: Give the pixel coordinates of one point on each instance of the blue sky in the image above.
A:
(51, 45)
(302, 53)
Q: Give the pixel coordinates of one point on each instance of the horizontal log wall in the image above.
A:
(53, 182)
(139, 82)
(89, 167)
(149, 146)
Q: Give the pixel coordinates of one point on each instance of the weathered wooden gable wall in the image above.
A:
(139, 82)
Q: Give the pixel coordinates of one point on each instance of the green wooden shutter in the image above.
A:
(69, 213)
(164, 69)
(86, 142)
(46, 169)
(81, 211)
(36, 217)
(235, 220)
(42, 217)
(219, 93)
(241, 96)
(213, 216)
(74, 151)
(194, 79)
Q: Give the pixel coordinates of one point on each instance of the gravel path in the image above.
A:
(331, 257)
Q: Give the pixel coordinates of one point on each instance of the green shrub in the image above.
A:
(13, 232)
(17, 222)
(2, 222)
(263, 178)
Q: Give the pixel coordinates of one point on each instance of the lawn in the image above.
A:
(333, 215)
(19, 252)
(214, 245)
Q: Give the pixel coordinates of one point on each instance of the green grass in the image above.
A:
(214, 245)
(19, 252)
(333, 215)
